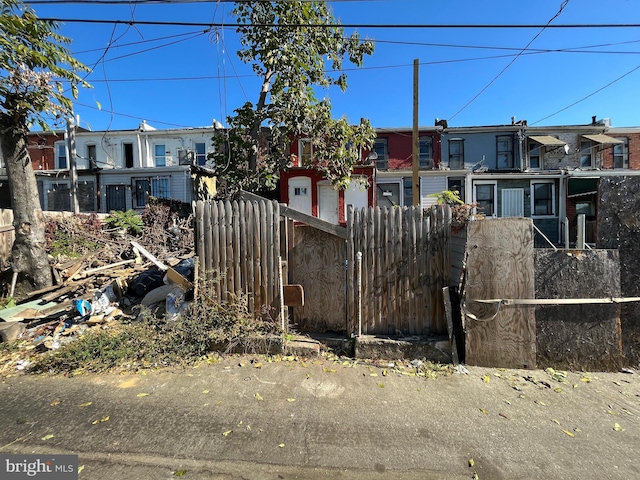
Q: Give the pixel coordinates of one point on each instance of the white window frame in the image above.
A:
(510, 162)
(305, 151)
(460, 155)
(533, 199)
(58, 146)
(381, 147)
(495, 195)
(200, 156)
(162, 157)
(591, 151)
(624, 154)
(425, 158)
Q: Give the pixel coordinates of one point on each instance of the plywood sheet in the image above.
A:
(499, 265)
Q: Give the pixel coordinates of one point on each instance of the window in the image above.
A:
(116, 198)
(407, 189)
(535, 155)
(91, 156)
(61, 155)
(425, 146)
(127, 152)
(382, 151)
(586, 154)
(542, 199)
(456, 154)
(388, 194)
(456, 185)
(485, 198)
(305, 151)
(504, 151)
(143, 187)
(59, 197)
(160, 155)
(300, 191)
(621, 154)
(201, 153)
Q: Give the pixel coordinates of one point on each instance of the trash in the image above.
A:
(174, 304)
(83, 307)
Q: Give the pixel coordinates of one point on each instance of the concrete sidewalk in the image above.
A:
(329, 418)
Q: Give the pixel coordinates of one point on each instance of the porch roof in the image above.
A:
(547, 140)
(603, 139)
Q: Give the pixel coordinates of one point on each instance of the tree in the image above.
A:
(35, 68)
(290, 44)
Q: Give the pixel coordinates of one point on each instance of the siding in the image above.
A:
(429, 185)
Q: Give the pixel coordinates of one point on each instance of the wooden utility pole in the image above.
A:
(73, 174)
(416, 139)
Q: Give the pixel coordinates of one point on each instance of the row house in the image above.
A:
(549, 174)
(118, 170)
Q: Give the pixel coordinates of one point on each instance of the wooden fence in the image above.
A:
(7, 236)
(405, 265)
(239, 247)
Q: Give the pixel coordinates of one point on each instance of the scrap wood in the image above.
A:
(91, 271)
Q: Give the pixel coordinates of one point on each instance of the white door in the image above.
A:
(300, 194)
(356, 195)
(328, 203)
(513, 202)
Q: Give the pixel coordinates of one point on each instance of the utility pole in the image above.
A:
(416, 139)
(73, 174)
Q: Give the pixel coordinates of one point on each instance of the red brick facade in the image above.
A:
(633, 140)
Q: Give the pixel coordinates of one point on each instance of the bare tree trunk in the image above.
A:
(29, 255)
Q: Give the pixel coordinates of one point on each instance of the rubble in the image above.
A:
(103, 285)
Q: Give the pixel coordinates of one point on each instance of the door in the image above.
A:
(513, 202)
(328, 203)
(356, 195)
(300, 194)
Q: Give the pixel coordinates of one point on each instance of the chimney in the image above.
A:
(593, 120)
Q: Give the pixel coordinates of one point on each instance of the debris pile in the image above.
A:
(111, 279)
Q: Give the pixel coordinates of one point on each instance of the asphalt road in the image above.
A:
(328, 419)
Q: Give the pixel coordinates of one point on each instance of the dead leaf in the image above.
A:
(142, 395)
(618, 428)
(179, 473)
(568, 433)
(258, 396)
(56, 402)
(471, 462)
(205, 391)
(486, 379)
(281, 445)
(80, 469)
(103, 419)
(484, 411)
(557, 390)
(540, 402)
(291, 400)
(226, 434)
(257, 365)
(555, 421)
(373, 374)
(85, 404)
(47, 437)
(380, 384)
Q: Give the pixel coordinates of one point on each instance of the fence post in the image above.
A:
(359, 299)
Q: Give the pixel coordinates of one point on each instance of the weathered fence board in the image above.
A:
(405, 265)
(239, 244)
(499, 265)
(7, 237)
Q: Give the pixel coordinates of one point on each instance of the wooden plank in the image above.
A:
(230, 264)
(426, 267)
(449, 316)
(237, 250)
(242, 246)
(378, 274)
(222, 219)
(207, 239)
(500, 264)
(351, 249)
(248, 245)
(293, 295)
(216, 268)
(200, 234)
(257, 274)
(272, 270)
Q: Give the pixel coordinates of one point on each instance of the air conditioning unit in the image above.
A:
(185, 156)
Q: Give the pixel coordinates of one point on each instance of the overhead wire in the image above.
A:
(486, 87)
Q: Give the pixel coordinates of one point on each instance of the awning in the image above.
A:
(547, 140)
(582, 186)
(603, 139)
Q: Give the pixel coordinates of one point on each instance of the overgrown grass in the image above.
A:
(150, 342)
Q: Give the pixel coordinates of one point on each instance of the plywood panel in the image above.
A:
(578, 337)
(500, 265)
(317, 262)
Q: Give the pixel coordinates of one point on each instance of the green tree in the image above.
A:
(290, 45)
(35, 69)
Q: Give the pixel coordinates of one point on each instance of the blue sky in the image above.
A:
(191, 77)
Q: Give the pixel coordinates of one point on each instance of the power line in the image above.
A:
(345, 25)
(484, 89)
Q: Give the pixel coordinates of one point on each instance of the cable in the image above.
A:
(484, 89)
(590, 95)
(347, 25)
(135, 117)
